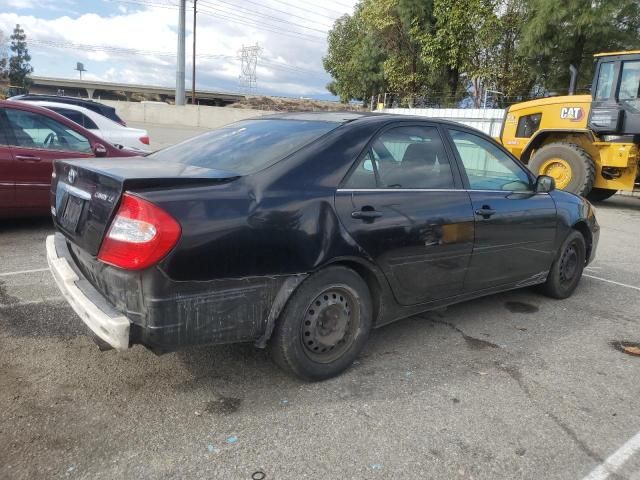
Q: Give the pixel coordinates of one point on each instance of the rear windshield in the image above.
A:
(245, 147)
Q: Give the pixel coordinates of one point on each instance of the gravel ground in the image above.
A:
(509, 386)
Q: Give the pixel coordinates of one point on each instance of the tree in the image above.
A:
(353, 61)
(4, 56)
(558, 34)
(19, 66)
(392, 26)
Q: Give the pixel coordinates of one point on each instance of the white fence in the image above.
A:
(488, 120)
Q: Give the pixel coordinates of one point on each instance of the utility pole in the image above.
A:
(180, 97)
(193, 73)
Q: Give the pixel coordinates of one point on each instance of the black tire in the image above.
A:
(583, 168)
(324, 325)
(567, 268)
(600, 194)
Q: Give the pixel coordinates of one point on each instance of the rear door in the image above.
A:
(404, 205)
(7, 168)
(36, 140)
(514, 226)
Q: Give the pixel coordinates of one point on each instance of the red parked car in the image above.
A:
(31, 138)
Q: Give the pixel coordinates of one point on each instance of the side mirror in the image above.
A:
(99, 150)
(545, 184)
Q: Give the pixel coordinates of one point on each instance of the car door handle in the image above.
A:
(28, 158)
(366, 214)
(485, 211)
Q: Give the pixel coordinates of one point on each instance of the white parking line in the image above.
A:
(20, 272)
(6, 306)
(616, 460)
(611, 281)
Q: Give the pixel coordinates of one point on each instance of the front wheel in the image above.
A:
(324, 325)
(567, 268)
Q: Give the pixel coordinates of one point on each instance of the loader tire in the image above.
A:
(569, 164)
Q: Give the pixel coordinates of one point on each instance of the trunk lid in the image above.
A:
(86, 193)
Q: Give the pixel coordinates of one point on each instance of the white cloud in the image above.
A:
(288, 65)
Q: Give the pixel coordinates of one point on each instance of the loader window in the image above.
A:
(528, 125)
(630, 83)
(605, 81)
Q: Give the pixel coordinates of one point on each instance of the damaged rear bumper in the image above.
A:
(104, 321)
(126, 308)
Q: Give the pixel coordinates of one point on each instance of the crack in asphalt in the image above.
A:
(516, 375)
(472, 342)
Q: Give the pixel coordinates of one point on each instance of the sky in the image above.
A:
(135, 41)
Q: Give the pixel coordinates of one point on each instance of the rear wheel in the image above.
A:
(570, 165)
(324, 325)
(567, 268)
(600, 194)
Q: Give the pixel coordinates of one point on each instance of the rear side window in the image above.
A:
(246, 147)
(404, 157)
(77, 117)
(528, 125)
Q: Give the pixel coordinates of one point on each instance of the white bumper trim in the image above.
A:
(112, 329)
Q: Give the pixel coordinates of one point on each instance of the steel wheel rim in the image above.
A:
(559, 169)
(330, 324)
(569, 264)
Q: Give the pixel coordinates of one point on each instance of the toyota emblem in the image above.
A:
(72, 175)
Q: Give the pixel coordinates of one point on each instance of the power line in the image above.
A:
(237, 18)
(145, 3)
(289, 14)
(253, 16)
(268, 28)
(315, 12)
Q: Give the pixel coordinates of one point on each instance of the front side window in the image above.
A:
(605, 81)
(488, 167)
(528, 125)
(246, 147)
(405, 157)
(32, 130)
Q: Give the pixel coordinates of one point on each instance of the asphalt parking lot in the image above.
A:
(509, 386)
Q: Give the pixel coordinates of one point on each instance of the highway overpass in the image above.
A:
(115, 91)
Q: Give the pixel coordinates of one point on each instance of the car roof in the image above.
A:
(59, 98)
(361, 117)
(68, 106)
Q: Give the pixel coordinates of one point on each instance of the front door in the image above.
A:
(404, 206)
(7, 166)
(514, 226)
(36, 141)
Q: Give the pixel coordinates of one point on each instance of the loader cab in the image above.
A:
(615, 108)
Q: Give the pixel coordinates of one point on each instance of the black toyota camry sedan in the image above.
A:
(302, 232)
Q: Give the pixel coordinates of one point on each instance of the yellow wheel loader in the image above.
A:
(588, 143)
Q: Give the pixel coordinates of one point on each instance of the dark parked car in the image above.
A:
(31, 137)
(304, 231)
(102, 109)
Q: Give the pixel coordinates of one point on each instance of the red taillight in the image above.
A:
(145, 140)
(140, 235)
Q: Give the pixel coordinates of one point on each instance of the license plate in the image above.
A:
(71, 214)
